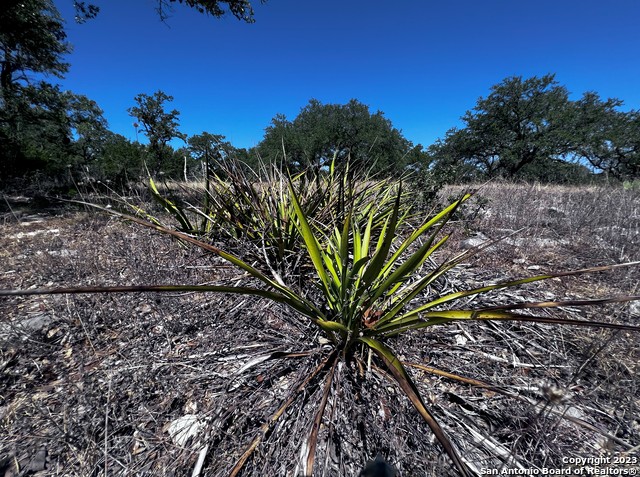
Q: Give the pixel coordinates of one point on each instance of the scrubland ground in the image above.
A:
(145, 384)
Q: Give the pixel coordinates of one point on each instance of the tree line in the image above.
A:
(525, 128)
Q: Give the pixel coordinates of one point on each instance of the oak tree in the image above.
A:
(158, 125)
(529, 128)
(321, 132)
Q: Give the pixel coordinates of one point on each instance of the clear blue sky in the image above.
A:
(422, 62)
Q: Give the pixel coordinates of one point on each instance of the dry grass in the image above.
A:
(592, 223)
(89, 384)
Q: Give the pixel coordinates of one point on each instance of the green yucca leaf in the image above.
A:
(513, 283)
(329, 263)
(141, 212)
(357, 266)
(357, 244)
(441, 217)
(432, 318)
(387, 235)
(366, 238)
(361, 251)
(556, 304)
(414, 290)
(171, 207)
(344, 241)
(344, 257)
(313, 247)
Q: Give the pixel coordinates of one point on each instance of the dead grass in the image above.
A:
(592, 223)
(91, 384)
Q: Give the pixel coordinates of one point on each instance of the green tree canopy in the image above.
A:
(49, 129)
(32, 40)
(158, 125)
(33, 124)
(520, 122)
(606, 137)
(88, 126)
(210, 149)
(322, 131)
(530, 127)
(117, 160)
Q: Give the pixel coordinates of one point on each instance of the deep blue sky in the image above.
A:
(422, 62)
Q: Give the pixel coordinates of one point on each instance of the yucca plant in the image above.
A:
(255, 208)
(367, 289)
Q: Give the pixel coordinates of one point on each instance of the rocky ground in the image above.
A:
(180, 384)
